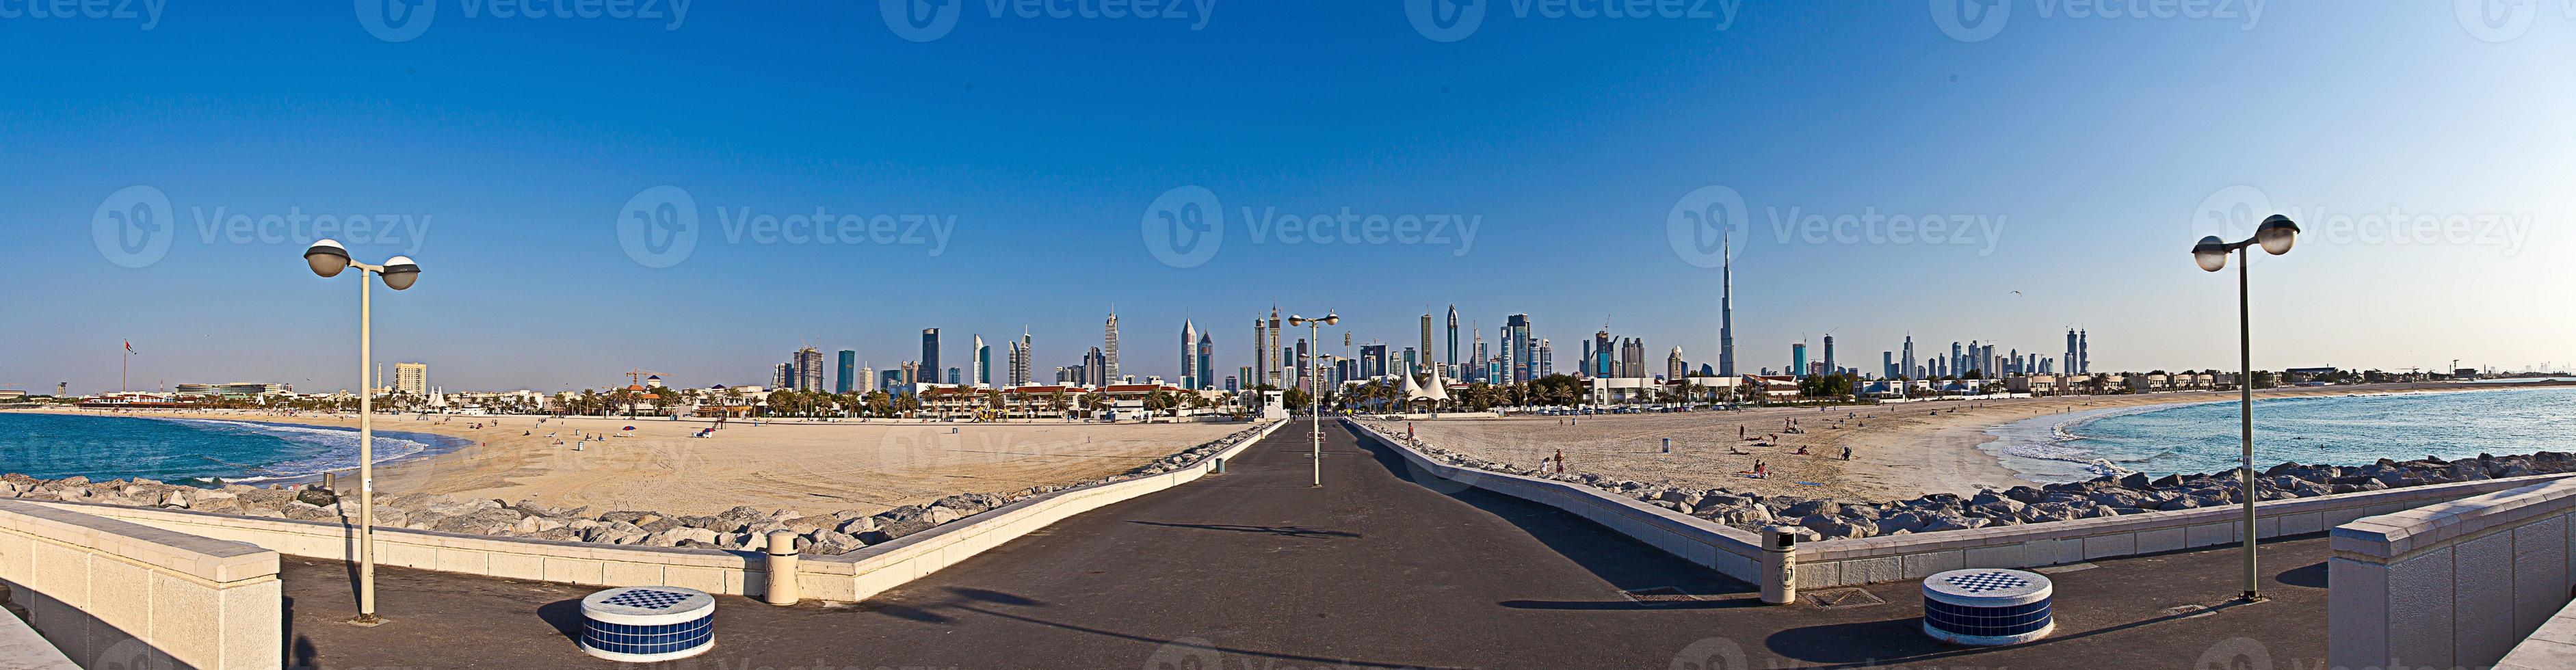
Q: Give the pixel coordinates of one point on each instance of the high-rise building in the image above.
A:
(1674, 367)
(1095, 368)
(849, 372)
(411, 379)
(1832, 365)
(1274, 346)
(930, 349)
(1632, 358)
(2071, 346)
(782, 375)
(983, 364)
(1425, 363)
(1260, 352)
(1908, 363)
(1020, 359)
(1453, 336)
(1190, 377)
(1373, 360)
(1598, 361)
(1524, 358)
(1207, 361)
(809, 369)
(1546, 359)
(1726, 311)
(1109, 350)
(2083, 352)
(1798, 359)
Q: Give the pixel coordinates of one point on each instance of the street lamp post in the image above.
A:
(1315, 402)
(2275, 235)
(328, 259)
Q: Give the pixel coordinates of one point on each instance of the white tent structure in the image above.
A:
(1436, 392)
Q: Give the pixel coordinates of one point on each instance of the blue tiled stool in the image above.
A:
(647, 624)
(1987, 607)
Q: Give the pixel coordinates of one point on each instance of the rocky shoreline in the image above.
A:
(1827, 518)
(740, 528)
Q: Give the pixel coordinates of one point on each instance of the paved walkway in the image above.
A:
(1256, 569)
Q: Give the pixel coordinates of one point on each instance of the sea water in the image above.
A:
(190, 450)
(2337, 430)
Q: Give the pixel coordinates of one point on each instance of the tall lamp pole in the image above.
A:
(2275, 235)
(328, 259)
(1315, 402)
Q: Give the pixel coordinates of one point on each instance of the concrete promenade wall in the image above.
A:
(2457, 584)
(112, 594)
(848, 577)
(1847, 562)
(1734, 552)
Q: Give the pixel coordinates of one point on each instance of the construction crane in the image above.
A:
(635, 377)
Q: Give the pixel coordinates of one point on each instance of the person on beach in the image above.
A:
(1846, 453)
(1761, 470)
(1560, 461)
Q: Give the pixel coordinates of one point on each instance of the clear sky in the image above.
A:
(2064, 155)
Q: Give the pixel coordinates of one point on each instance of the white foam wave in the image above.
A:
(339, 448)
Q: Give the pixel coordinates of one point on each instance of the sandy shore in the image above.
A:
(812, 467)
(1899, 450)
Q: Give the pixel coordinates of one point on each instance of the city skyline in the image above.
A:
(2092, 181)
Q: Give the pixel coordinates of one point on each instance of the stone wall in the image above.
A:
(112, 594)
(2458, 584)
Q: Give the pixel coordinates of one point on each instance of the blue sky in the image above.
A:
(2076, 150)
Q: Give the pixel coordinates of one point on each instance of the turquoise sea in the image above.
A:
(190, 450)
(2338, 430)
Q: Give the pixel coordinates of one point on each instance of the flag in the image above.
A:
(129, 346)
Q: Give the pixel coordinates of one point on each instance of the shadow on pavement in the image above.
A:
(1618, 559)
(1282, 531)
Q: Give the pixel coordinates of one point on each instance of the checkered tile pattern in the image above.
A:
(647, 599)
(1982, 582)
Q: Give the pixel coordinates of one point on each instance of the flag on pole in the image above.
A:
(129, 346)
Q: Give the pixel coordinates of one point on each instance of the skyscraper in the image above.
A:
(849, 372)
(1674, 367)
(1516, 337)
(1190, 377)
(1832, 365)
(1632, 358)
(781, 375)
(867, 380)
(1207, 361)
(1908, 369)
(2071, 346)
(1020, 359)
(809, 369)
(1798, 359)
(1600, 362)
(1373, 360)
(1274, 346)
(1426, 342)
(1546, 359)
(1453, 336)
(983, 364)
(1109, 348)
(411, 378)
(1726, 312)
(930, 350)
(1887, 365)
(2084, 352)
(1255, 375)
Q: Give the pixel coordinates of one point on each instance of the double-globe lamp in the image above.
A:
(2275, 236)
(328, 259)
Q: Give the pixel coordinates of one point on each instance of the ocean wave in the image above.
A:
(338, 447)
